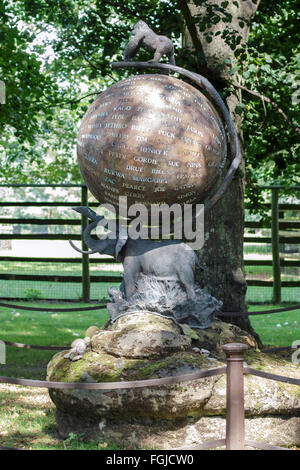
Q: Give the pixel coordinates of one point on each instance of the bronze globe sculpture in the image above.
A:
(152, 138)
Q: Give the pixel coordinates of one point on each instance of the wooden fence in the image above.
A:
(85, 279)
(279, 235)
(277, 225)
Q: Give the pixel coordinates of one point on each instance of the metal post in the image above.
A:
(235, 413)
(85, 258)
(275, 247)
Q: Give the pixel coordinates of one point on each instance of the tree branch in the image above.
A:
(185, 11)
(75, 101)
(75, 43)
(275, 105)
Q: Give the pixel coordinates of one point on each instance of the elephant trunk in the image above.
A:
(89, 241)
(90, 252)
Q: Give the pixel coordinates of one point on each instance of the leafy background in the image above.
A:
(55, 55)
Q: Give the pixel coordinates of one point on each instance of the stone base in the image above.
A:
(145, 346)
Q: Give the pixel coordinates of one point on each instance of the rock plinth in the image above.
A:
(138, 347)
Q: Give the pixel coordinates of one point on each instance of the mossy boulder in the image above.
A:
(138, 347)
(135, 347)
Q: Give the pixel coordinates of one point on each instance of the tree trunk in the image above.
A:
(222, 254)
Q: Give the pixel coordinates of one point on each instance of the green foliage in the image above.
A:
(55, 53)
(270, 65)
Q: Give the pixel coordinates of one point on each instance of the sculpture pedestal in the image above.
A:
(143, 346)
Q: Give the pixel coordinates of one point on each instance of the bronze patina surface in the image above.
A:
(152, 138)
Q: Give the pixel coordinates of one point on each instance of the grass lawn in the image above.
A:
(277, 329)
(27, 416)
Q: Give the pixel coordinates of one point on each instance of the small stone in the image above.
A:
(79, 346)
(92, 331)
(206, 352)
(102, 445)
(76, 358)
(196, 350)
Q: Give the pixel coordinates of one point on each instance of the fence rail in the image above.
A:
(276, 226)
(57, 278)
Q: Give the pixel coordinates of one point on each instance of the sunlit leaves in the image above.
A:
(55, 52)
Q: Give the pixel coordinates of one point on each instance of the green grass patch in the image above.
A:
(27, 418)
(277, 329)
(43, 328)
(27, 415)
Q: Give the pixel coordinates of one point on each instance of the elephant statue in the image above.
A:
(166, 260)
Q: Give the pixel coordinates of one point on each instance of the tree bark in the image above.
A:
(222, 254)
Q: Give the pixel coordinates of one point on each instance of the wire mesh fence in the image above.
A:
(259, 295)
(37, 262)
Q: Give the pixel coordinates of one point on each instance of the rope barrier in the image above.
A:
(101, 306)
(204, 445)
(263, 445)
(142, 383)
(259, 312)
(267, 375)
(35, 346)
(114, 385)
(44, 309)
(278, 349)
(222, 442)
(9, 448)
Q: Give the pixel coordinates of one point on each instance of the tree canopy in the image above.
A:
(55, 57)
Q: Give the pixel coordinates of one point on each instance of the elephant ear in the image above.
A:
(121, 241)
